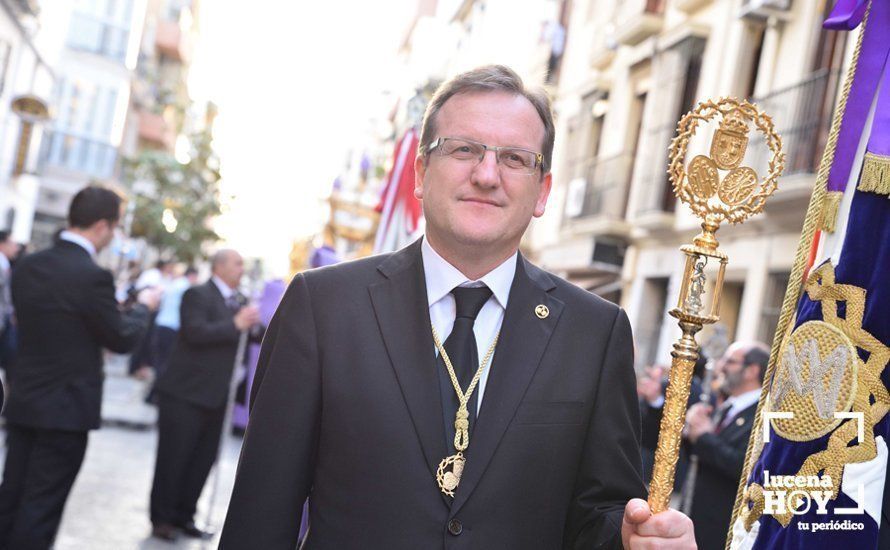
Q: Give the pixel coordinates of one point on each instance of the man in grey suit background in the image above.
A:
(452, 394)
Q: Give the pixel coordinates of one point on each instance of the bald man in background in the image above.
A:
(193, 393)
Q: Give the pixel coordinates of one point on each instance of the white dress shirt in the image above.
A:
(79, 240)
(441, 277)
(738, 403)
(224, 289)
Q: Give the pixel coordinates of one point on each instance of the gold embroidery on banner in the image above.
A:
(843, 445)
(815, 378)
(830, 207)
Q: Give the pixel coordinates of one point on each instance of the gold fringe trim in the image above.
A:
(875, 176)
(831, 204)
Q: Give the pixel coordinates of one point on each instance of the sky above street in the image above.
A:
(295, 83)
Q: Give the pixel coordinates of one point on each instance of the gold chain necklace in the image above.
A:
(452, 467)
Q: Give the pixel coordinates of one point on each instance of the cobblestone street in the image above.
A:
(108, 506)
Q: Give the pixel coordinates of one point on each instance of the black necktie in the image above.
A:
(461, 349)
(234, 302)
(720, 417)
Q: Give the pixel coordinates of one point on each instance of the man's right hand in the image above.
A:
(649, 386)
(246, 317)
(150, 297)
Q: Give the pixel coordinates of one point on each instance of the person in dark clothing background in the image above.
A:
(193, 393)
(720, 438)
(66, 313)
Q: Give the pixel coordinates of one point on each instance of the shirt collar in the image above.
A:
(745, 400)
(224, 289)
(441, 276)
(80, 240)
(4, 263)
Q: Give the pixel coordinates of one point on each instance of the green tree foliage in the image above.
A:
(175, 202)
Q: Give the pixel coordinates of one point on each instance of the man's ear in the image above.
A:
(543, 194)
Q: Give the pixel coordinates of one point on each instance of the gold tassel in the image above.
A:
(875, 176)
(831, 204)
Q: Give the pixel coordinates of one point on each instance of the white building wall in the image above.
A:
(24, 72)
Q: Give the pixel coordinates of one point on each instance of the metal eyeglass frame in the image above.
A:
(539, 158)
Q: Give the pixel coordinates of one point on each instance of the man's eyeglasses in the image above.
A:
(513, 159)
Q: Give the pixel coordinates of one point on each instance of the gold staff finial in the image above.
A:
(717, 188)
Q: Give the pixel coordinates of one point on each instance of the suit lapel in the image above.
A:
(523, 339)
(401, 307)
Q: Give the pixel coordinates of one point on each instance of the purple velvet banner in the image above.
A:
(847, 15)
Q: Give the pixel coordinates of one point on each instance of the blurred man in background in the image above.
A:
(167, 322)
(720, 439)
(9, 250)
(143, 360)
(66, 313)
(193, 393)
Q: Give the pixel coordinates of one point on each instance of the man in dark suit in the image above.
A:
(66, 314)
(193, 393)
(356, 398)
(9, 250)
(720, 439)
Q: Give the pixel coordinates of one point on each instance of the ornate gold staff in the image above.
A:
(714, 199)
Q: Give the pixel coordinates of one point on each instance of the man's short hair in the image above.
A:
(92, 204)
(490, 78)
(4, 236)
(190, 271)
(758, 355)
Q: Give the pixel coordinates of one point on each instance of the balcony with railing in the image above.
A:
(170, 41)
(604, 197)
(92, 34)
(155, 132)
(802, 116)
(71, 153)
(654, 202)
(637, 20)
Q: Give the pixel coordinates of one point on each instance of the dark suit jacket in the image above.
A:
(66, 313)
(347, 408)
(721, 457)
(201, 364)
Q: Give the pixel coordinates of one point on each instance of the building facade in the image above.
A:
(631, 70)
(24, 73)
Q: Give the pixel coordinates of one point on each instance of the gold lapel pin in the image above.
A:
(542, 311)
(739, 421)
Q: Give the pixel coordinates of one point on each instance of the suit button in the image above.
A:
(455, 527)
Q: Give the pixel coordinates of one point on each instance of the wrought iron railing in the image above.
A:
(650, 172)
(77, 153)
(605, 189)
(802, 115)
